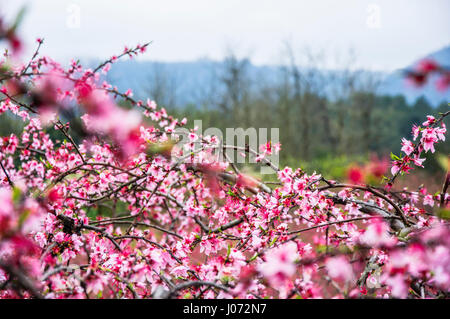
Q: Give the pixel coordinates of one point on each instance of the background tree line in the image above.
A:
(326, 120)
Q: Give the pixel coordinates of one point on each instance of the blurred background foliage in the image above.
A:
(334, 133)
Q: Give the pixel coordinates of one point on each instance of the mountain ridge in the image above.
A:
(189, 79)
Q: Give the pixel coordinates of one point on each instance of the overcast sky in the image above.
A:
(384, 34)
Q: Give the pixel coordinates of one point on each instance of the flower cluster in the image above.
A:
(427, 69)
(102, 208)
(431, 132)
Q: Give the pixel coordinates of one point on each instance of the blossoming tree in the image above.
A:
(190, 226)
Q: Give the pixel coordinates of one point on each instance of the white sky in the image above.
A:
(183, 30)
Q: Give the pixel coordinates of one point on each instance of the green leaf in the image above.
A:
(444, 213)
(187, 296)
(225, 280)
(17, 193)
(321, 248)
(273, 241)
(443, 161)
(394, 157)
(23, 217)
(19, 18)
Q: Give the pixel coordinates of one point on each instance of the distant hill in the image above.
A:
(188, 80)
